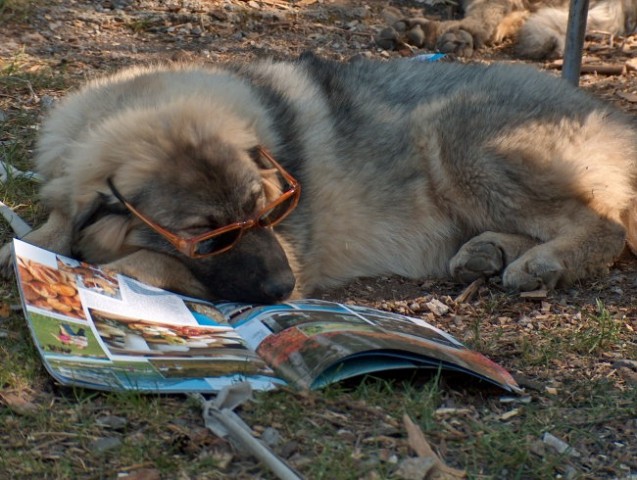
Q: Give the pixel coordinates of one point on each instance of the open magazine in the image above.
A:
(102, 330)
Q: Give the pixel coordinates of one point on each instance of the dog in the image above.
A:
(266, 180)
(538, 26)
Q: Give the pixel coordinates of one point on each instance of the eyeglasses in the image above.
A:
(223, 239)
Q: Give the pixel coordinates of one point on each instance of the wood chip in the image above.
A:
(601, 69)
(510, 414)
(141, 474)
(437, 307)
(535, 294)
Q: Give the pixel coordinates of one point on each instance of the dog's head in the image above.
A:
(158, 180)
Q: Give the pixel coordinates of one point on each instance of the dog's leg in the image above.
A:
(54, 235)
(587, 249)
(158, 270)
(487, 255)
(484, 21)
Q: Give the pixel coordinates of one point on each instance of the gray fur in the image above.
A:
(420, 170)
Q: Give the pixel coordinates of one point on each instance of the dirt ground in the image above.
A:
(82, 38)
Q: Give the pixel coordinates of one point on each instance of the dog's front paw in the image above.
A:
(456, 41)
(160, 271)
(476, 260)
(534, 272)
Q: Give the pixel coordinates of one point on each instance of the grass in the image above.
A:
(16, 10)
(20, 78)
(602, 332)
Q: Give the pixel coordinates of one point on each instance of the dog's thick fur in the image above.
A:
(539, 26)
(410, 169)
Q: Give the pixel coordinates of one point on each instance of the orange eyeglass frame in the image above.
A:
(187, 246)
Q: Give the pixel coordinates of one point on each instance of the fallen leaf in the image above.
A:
(5, 310)
(19, 403)
(419, 444)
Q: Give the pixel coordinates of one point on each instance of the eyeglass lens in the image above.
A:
(278, 212)
(218, 242)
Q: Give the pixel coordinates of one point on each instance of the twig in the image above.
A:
(7, 171)
(470, 291)
(274, 3)
(19, 226)
(220, 418)
(602, 69)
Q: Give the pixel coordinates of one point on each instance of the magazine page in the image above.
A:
(110, 332)
(314, 342)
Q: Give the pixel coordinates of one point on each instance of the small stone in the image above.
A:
(113, 422)
(102, 445)
(559, 445)
(358, 12)
(415, 468)
(271, 437)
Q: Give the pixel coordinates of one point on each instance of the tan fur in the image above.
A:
(469, 171)
(509, 26)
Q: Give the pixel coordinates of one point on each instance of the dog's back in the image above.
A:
(423, 157)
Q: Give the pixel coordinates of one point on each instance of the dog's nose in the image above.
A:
(277, 289)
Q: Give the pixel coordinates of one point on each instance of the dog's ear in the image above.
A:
(100, 229)
(95, 211)
(272, 182)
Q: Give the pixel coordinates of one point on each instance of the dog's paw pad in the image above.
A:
(456, 42)
(476, 260)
